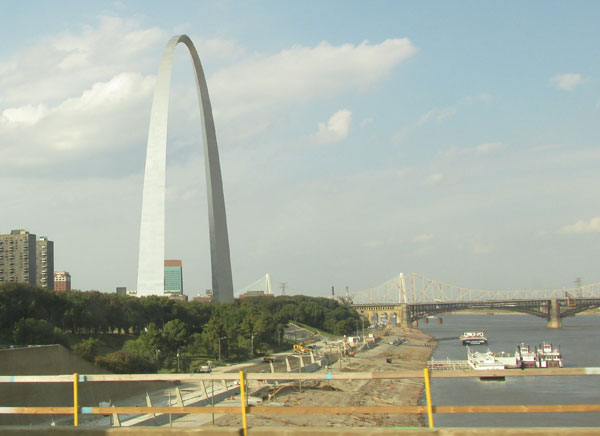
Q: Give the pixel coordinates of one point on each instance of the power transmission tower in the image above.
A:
(282, 286)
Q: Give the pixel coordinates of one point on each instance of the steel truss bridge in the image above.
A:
(413, 296)
(415, 288)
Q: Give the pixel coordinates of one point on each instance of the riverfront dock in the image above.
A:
(447, 365)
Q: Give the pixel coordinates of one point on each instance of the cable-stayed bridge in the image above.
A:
(263, 284)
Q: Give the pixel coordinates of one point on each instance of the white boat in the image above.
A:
(548, 356)
(473, 338)
(526, 356)
(490, 360)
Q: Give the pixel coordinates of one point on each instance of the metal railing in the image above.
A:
(429, 409)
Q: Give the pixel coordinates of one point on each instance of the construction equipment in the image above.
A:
(302, 348)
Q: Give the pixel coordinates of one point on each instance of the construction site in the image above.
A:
(350, 385)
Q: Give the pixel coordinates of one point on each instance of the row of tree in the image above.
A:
(165, 334)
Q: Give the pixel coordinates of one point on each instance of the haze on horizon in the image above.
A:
(357, 141)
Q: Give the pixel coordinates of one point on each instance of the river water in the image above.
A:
(579, 341)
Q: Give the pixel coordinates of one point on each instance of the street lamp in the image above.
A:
(363, 328)
(178, 361)
(224, 337)
(252, 345)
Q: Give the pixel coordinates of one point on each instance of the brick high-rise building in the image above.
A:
(17, 257)
(62, 281)
(45, 263)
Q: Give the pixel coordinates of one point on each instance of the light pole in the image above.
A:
(178, 361)
(252, 345)
(224, 337)
(363, 328)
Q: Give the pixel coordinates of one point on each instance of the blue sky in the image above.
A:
(358, 140)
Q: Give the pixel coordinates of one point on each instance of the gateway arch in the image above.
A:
(152, 228)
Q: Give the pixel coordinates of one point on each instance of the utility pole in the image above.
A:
(282, 286)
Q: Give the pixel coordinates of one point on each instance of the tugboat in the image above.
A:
(473, 338)
(526, 356)
(548, 356)
(543, 356)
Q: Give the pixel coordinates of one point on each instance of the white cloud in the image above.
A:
(568, 81)
(367, 121)
(217, 48)
(438, 115)
(584, 226)
(426, 237)
(483, 97)
(374, 244)
(336, 129)
(28, 114)
(107, 116)
(67, 63)
(300, 74)
(433, 179)
(479, 248)
(489, 147)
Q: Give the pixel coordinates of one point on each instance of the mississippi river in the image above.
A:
(579, 342)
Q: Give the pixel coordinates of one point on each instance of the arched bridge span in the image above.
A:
(553, 310)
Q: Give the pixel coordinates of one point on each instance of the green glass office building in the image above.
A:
(173, 277)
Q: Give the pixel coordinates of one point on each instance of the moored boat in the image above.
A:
(490, 360)
(526, 356)
(548, 356)
(473, 338)
(545, 355)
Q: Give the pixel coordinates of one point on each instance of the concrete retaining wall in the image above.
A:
(57, 360)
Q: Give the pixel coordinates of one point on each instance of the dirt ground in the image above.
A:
(411, 355)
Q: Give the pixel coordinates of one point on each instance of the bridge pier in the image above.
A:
(404, 323)
(555, 320)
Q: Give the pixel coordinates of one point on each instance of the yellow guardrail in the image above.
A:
(244, 409)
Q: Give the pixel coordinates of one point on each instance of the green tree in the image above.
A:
(87, 349)
(30, 331)
(126, 362)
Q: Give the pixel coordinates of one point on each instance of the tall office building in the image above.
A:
(62, 281)
(17, 257)
(173, 277)
(44, 263)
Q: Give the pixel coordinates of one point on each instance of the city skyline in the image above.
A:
(357, 141)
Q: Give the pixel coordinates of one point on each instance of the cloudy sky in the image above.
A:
(358, 140)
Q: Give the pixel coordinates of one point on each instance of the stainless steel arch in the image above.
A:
(152, 228)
